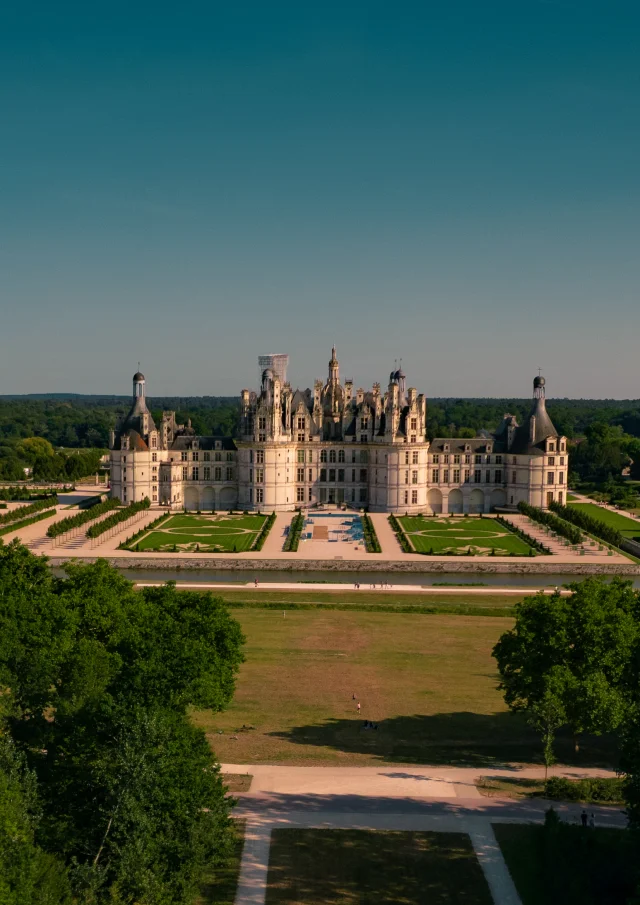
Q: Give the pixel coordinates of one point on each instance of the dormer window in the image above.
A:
(219, 443)
(552, 447)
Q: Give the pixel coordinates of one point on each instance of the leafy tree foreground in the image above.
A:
(107, 792)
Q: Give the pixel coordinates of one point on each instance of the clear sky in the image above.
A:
(189, 185)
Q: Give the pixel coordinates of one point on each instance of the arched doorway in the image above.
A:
(434, 500)
(191, 498)
(209, 498)
(227, 498)
(498, 498)
(476, 501)
(455, 501)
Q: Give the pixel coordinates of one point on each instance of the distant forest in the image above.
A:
(85, 421)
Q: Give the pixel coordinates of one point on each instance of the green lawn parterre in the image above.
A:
(626, 526)
(457, 535)
(208, 533)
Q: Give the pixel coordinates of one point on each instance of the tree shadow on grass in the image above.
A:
(460, 739)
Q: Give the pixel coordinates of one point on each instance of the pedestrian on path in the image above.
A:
(584, 817)
(358, 706)
(592, 821)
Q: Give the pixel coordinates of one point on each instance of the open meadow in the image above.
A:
(626, 526)
(428, 682)
(215, 533)
(483, 536)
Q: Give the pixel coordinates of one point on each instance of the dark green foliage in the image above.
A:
(292, 540)
(592, 789)
(22, 512)
(371, 542)
(24, 523)
(96, 680)
(264, 532)
(403, 540)
(559, 525)
(81, 518)
(531, 541)
(120, 516)
(588, 523)
(22, 492)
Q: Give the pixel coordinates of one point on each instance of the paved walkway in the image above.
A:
(416, 799)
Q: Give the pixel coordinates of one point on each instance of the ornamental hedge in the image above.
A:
(264, 531)
(531, 541)
(549, 520)
(15, 515)
(588, 523)
(81, 518)
(371, 542)
(295, 532)
(120, 516)
(403, 540)
(127, 544)
(27, 495)
(28, 521)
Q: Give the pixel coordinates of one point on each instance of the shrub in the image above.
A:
(264, 531)
(588, 523)
(295, 532)
(16, 526)
(371, 542)
(549, 520)
(591, 789)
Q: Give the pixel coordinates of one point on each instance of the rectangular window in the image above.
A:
(154, 457)
(207, 456)
(488, 477)
(230, 457)
(341, 474)
(456, 475)
(259, 495)
(435, 476)
(363, 475)
(406, 477)
(194, 474)
(456, 460)
(195, 456)
(549, 497)
(414, 496)
(514, 477)
(552, 460)
(300, 474)
(353, 475)
(562, 460)
(310, 495)
(323, 455)
(498, 476)
(364, 424)
(301, 455)
(217, 456)
(406, 458)
(414, 477)
(414, 457)
(300, 438)
(217, 471)
(477, 460)
(341, 455)
(364, 457)
(552, 447)
(259, 456)
(467, 460)
(363, 494)
(229, 474)
(560, 497)
(445, 459)
(301, 423)
(477, 476)
(262, 424)
(323, 474)
(550, 477)
(300, 494)
(155, 497)
(310, 475)
(184, 456)
(332, 475)
(445, 476)
(332, 455)
(185, 472)
(466, 476)
(560, 478)
(259, 475)
(498, 460)
(414, 424)
(436, 459)
(251, 495)
(406, 497)
(207, 473)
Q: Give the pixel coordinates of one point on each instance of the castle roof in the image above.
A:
(531, 436)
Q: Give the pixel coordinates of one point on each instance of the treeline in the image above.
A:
(589, 524)
(108, 793)
(44, 463)
(120, 516)
(81, 518)
(551, 521)
(15, 515)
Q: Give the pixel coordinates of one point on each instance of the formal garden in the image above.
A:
(628, 528)
(203, 533)
(455, 535)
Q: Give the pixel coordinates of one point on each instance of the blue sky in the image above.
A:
(456, 183)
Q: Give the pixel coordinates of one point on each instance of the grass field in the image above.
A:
(458, 535)
(626, 526)
(340, 867)
(573, 867)
(220, 883)
(206, 533)
(429, 682)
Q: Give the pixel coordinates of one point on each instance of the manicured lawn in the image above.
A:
(220, 883)
(207, 533)
(573, 866)
(457, 535)
(429, 682)
(626, 526)
(341, 867)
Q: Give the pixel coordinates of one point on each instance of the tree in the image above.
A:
(28, 875)
(583, 643)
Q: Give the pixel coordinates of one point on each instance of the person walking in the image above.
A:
(584, 817)
(358, 706)
(592, 821)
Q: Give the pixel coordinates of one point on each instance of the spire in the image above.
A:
(334, 367)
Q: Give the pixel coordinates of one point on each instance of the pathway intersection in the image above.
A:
(410, 798)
